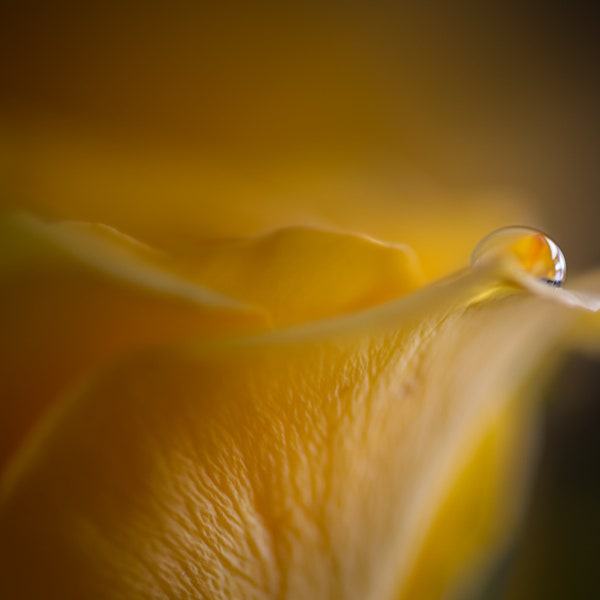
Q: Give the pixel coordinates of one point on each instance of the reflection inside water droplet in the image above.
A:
(534, 250)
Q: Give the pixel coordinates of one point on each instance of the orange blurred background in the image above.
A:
(125, 104)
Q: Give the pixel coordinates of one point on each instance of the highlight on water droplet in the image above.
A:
(536, 253)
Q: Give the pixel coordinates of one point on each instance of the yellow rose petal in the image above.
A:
(312, 462)
(302, 274)
(79, 294)
(76, 295)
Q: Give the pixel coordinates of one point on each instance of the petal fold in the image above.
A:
(76, 295)
(297, 463)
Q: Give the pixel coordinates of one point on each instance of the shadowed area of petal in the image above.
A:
(78, 294)
(299, 463)
(75, 295)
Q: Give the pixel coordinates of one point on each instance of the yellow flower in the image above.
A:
(285, 384)
(295, 414)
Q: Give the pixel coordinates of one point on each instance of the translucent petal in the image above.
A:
(312, 462)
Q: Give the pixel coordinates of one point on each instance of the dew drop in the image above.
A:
(534, 250)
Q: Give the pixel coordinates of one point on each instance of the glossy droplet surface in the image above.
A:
(534, 250)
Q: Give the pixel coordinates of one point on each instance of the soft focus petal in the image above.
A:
(309, 462)
(173, 197)
(300, 274)
(73, 296)
(77, 295)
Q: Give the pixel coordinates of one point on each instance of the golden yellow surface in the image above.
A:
(335, 430)
(284, 384)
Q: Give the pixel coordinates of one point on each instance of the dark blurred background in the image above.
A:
(498, 99)
(469, 97)
(557, 554)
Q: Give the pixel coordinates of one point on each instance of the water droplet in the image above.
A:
(534, 250)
